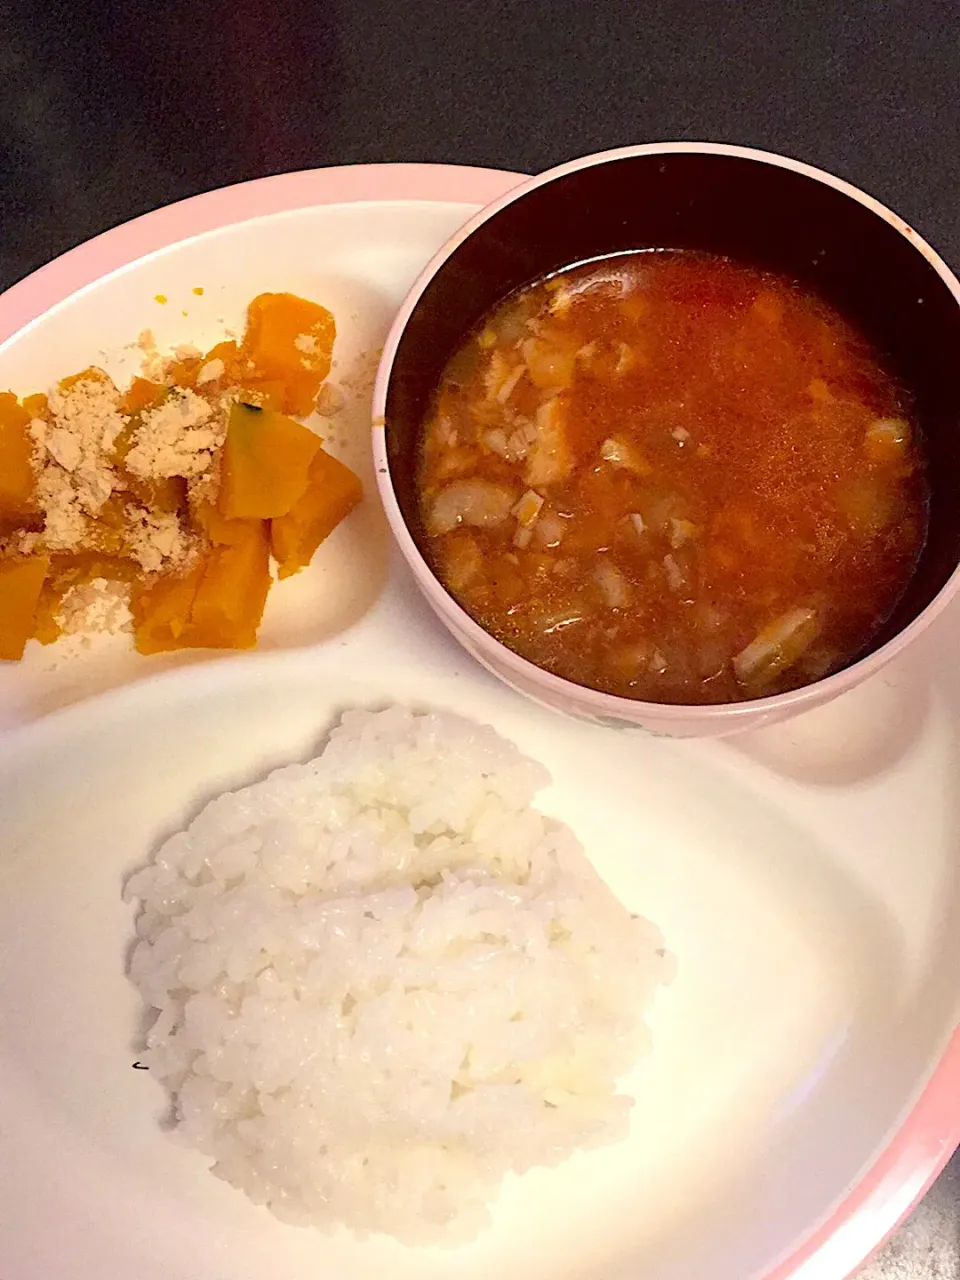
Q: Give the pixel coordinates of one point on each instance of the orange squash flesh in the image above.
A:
(217, 528)
(264, 394)
(290, 340)
(21, 582)
(217, 605)
(91, 374)
(331, 494)
(143, 394)
(37, 406)
(266, 460)
(229, 353)
(17, 484)
(73, 570)
(183, 372)
(228, 606)
(165, 493)
(161, 610)
(168, 493)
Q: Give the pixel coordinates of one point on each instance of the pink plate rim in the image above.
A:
(927, 1138)
(227, 206)
(892, 1187)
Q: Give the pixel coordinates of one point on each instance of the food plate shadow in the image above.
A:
(863, 734)
(782, 893)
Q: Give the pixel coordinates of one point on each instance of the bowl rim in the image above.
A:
(600, 704)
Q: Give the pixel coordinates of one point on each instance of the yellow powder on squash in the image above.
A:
(76, 472)
(99, 606)
(177, 438)
(210, 372)
(330, 400)
(152, 364)
(72, 458)
(157, 540)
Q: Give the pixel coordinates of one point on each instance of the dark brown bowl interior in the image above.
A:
(748, 209)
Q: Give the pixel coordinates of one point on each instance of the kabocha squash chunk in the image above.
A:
(142, 394)
(21, 581)
(217, 605)
(332, 493)
(168, 494)
(266, 460)
(46, 624)
(17, 483)
(228, 606)
(91, 374)
(286, 334)
(262, 394)
(70, 571)
(161, 611)
(290, 340)
(221, 365)
(37, 405)
(218, 529)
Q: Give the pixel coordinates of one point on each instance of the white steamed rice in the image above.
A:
(383, 980)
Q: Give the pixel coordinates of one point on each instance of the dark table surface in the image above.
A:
(109, 108)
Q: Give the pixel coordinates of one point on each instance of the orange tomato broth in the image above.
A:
(276, 492)
(673, 477)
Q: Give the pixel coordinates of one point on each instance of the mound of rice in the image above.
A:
(384, 980)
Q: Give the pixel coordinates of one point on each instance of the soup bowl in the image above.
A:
(757, 208)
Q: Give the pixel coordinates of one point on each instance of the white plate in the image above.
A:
(807, 879)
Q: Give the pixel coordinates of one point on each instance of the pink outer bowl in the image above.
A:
(545, 688)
